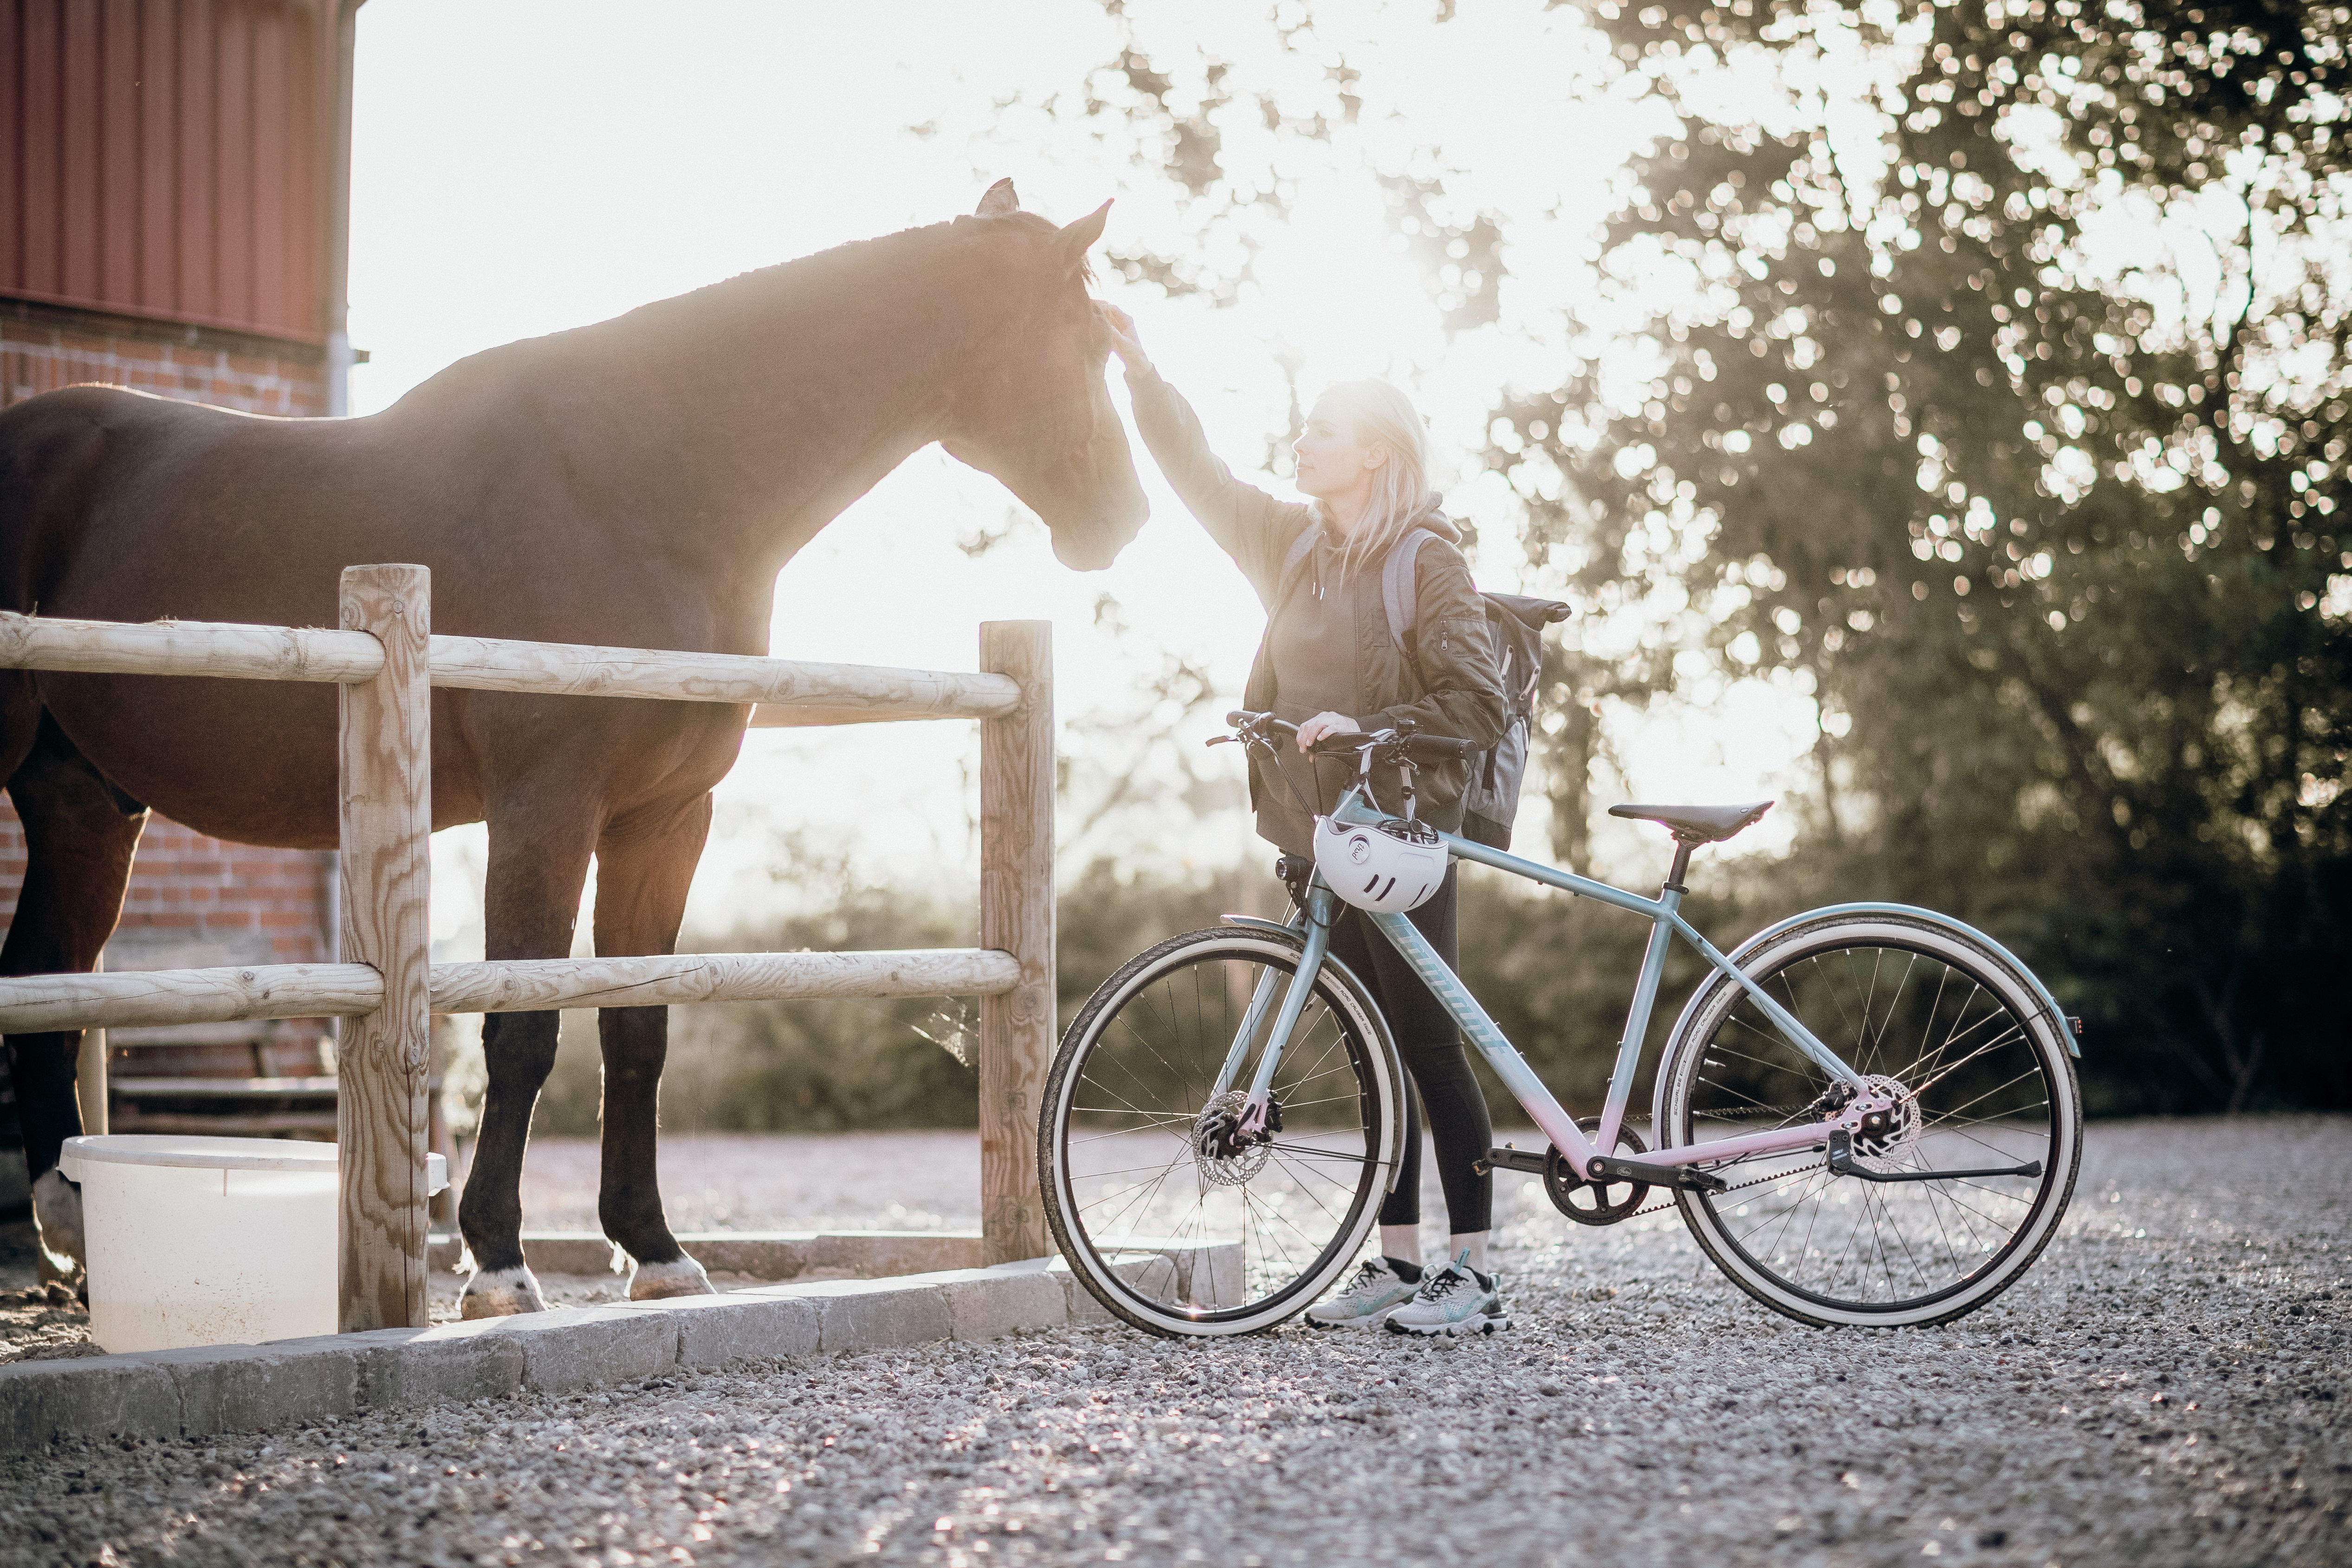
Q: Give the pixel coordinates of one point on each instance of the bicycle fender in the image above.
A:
(1903, 911)
(1254, 923)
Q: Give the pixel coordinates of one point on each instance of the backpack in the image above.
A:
(1517, 626)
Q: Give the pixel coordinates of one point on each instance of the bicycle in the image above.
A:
(1905, 1177)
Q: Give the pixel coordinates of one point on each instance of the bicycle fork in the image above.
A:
(1317, 920)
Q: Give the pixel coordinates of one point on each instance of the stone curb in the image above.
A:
(253, 1388)
(762, 1255)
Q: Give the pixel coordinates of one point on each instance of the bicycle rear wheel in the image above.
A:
(1167, 1231)
(1983, 1081)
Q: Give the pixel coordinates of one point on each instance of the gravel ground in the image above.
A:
(2166, 1387)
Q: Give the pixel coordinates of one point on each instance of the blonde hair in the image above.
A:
(1382, 417)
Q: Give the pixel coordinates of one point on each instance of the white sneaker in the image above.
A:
(1366, 1301)
(1455, 1299)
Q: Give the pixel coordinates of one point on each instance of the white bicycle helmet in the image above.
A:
(1388, 866)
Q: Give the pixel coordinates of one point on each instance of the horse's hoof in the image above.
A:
(500, 1293)
(57, 1218)
(654, 1282)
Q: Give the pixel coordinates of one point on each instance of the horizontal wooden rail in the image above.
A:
(825, 693)
(568, 669)
(531, 985)
(38, 1002)
(187, 647)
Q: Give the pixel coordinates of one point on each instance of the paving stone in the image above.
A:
(256, 1388)
(739, 1326)
(1149, 1271)
(94, 1396)
(584, 1347)
(867, 1314)
(989, 1304)
(453, 1363)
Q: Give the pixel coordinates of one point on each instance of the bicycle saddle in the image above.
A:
(1697, 824)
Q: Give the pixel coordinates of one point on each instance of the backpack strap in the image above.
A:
(1400, 590)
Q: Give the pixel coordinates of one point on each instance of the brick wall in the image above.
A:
(42, 349)
(194, 901)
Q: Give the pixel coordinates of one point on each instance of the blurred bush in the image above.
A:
(1555, 972)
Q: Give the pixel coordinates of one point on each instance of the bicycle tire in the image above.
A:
(1887, 982)
(1237, 1288)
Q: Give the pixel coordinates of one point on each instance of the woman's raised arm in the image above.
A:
(1250, 525)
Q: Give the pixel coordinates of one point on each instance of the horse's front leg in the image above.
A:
(644, 864)
(538, 860)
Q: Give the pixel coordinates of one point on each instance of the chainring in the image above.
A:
(1588, 1202)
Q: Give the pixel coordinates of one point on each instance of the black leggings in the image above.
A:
(1435, 1065)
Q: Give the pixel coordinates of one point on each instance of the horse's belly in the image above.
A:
(249, 761)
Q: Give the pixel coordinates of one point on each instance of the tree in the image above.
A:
(1983, 365)
(2062, 551)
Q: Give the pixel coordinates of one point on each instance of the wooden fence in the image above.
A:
(384, 660)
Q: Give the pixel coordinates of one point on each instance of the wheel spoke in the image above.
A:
(1975, 1088)
(1136, 1073)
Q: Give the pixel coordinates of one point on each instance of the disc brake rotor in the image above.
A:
(1888, 1137)
(1215, 1151)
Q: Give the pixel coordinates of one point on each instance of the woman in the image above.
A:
(1329, 665)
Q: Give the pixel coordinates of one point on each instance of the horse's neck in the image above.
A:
(763, 408)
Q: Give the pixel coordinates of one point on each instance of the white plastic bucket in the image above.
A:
(209, 1241)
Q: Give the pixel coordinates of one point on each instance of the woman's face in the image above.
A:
(1332, 461)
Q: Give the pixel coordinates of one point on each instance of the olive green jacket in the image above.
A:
(1446, 685)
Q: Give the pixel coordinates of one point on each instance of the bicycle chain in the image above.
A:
(1782, 1111)
(1733, 1187)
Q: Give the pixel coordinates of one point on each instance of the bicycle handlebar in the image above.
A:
(1421, 749)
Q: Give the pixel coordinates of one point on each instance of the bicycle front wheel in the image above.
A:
(1982, 1080)
(1167, 1226)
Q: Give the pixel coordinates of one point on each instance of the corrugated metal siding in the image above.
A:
(167, 158)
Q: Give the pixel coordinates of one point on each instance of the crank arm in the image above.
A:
(1841, 1162)
(1689, 1178)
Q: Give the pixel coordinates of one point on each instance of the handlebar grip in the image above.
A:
(1426, 749)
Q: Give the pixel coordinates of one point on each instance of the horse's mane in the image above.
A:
(858, 255)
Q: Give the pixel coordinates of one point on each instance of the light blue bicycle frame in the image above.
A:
(1557, 1125)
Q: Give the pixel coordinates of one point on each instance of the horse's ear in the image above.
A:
(1079, 237)
(1000, 200)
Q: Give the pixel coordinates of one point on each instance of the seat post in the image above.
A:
(1682, 847)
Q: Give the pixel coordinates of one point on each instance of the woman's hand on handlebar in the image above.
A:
(1322, 725)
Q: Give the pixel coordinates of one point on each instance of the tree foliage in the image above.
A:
(2061, 542)
(1983, 365)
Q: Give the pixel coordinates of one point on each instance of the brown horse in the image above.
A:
(639, 482)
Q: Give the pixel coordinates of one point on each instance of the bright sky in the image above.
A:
(527, 167)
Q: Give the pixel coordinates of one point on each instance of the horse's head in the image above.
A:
(1033, 410)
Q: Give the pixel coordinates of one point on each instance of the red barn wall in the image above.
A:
(164, 213)
(168, 158)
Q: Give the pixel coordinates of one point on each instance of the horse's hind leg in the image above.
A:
(80, 833)
(539, 858)
(643, 867)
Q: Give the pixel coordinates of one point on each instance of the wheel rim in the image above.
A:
(1979, 1089)
(1134, 1177)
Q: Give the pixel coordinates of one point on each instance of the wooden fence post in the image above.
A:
(1016, 916)
(91, 1075)
(386, 731)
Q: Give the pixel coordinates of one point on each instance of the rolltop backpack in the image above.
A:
(1516, 624)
